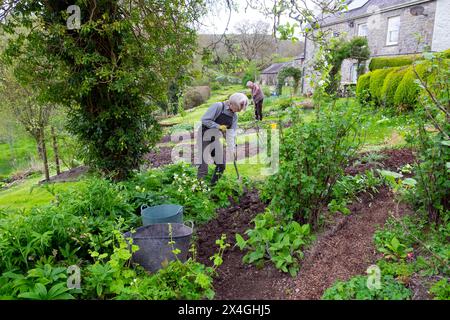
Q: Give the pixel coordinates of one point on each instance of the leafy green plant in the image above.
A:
(441, 290)
(312, 159)
(356, 289)
(348, 187)
(45, 282)
(394, 250)
(280, 243)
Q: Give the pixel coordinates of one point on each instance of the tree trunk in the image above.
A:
(56, 151)
(43, 149)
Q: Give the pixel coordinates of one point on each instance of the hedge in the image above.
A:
(376, 84)
(408, 90)
(363, 88)
(390, 85)
(389, 62)
(447, 54)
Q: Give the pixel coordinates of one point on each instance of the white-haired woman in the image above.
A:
(219, 119)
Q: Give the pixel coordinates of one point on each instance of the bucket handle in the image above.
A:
(143, 207)
(191, 222)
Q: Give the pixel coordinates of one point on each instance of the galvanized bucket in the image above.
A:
(154, 244)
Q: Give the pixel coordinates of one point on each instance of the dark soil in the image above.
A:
(236, 280)
(69, 175)
(343, 249)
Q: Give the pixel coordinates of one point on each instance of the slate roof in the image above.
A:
(275, 68)
(364, 10)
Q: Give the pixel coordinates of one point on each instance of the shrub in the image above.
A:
(376, 84)
(389, 62)
(408, 90)
(391, 84)
(196, 96)
(356, 289)
(446, 54)
(363, 88)
(192, 99)
(216, 86)
(312, 158)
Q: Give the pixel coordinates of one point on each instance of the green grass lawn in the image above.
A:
(16, 156)
(28, 194)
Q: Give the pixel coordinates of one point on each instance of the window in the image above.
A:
(354, 73)
(362, 30)
(393, 31)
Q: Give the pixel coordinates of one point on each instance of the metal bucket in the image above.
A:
(154, 248)
(166, 213)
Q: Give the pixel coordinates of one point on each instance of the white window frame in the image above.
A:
(360, 28)
(393, 27)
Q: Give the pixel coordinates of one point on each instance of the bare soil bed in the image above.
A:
(344, 248)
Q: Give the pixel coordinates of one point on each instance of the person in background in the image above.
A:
(258, 99)
(217, 120)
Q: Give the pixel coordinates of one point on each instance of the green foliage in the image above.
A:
(44, 282)
(251, 74)
(390, 62)
(349, 187)
(286, 72)
(179, 184)
(227, 189)
(390, 86)
(273, 240)
(407, 94)
(432, 192)
(312, 159)
(393, 249)
(441, 290)
(340, 49)
(377, 80)
(363, 88)
(107, 73)
(356, 289)
(397, 269)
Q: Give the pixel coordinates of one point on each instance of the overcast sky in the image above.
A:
(216, 22)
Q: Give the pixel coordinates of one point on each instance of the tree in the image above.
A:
(287, 72)
(117, 67)
(33, 116)
(255, 44)
(340, 50)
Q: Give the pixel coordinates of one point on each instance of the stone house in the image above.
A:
(392, 28)
(269, 76)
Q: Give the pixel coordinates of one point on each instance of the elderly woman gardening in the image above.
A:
(220, 120)
(258, 99)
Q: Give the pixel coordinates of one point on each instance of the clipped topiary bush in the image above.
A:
(389, 62)
(408, 90)
(390, 85)
(447, 54)
(363, 88)
(376, 84)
